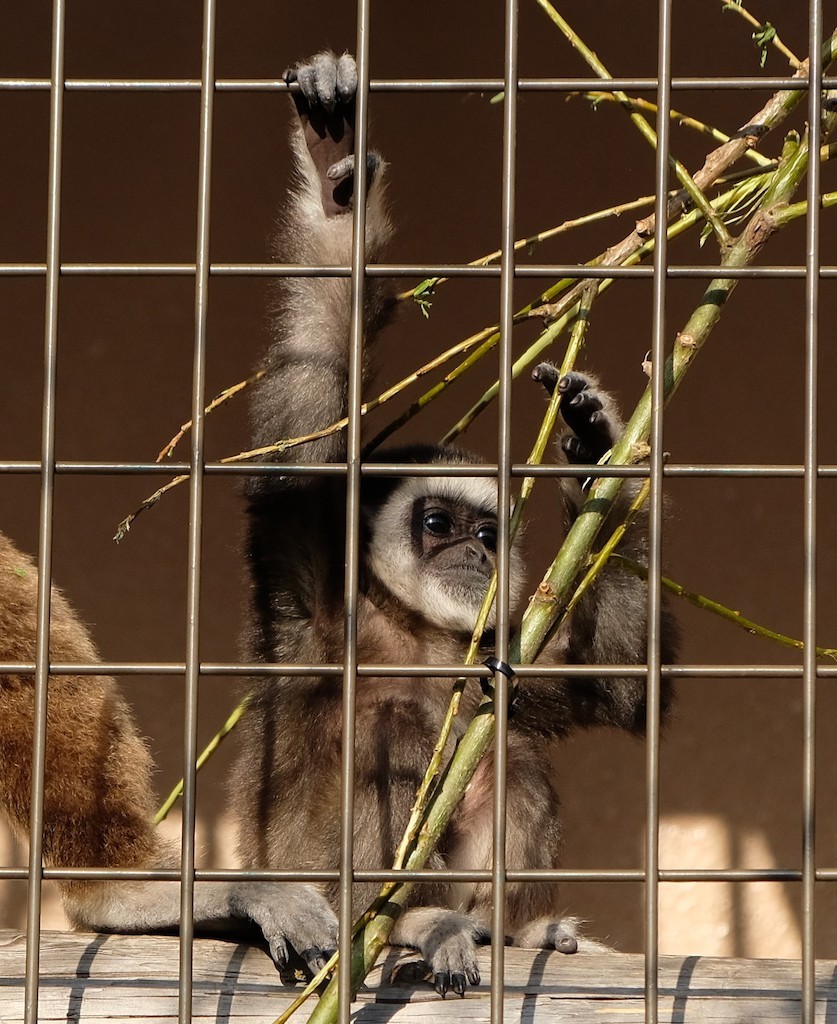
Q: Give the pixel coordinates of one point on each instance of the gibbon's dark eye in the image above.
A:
(487, 536)
(439, 524)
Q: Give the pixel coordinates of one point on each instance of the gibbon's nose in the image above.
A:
(475, 553)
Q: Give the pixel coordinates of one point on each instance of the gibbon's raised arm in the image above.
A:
(609, 626)
(305, 387)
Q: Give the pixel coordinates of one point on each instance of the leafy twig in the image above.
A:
(772, 114)
(765, 34)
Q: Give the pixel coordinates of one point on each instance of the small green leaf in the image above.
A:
(762, 37)
(498, 98)
(18, 570)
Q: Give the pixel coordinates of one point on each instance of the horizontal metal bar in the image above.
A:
(408, 469)
(452, 671)
(392, 270)
(400, 85)
(675, 875)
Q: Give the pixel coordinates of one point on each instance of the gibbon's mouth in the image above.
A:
(483, 572)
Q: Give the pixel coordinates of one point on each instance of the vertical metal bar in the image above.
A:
(809, 657)
(36, 812)
(655, 524)
(353, 449)
(192, 674)
(501, 683)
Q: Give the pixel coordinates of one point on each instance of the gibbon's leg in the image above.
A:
(533, 840)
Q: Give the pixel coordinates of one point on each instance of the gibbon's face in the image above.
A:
(455, 543)
(434, 544)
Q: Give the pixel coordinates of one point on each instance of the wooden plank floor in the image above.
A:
(134, 979)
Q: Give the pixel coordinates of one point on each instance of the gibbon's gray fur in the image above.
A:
(98, 799)
(428, 548)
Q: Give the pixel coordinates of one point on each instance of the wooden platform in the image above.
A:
(133, 979)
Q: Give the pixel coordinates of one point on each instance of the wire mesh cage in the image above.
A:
(147, 160)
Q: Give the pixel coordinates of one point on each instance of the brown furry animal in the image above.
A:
(427, 554)
(98, 798)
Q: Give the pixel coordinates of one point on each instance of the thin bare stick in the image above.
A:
(638, 103)
(291, 442)
(646, 131)
(224, 396)
(736, 618)
(525, 243)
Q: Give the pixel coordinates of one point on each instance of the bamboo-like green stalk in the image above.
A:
(545, 432)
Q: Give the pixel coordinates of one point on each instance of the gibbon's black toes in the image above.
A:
(576, 450)
(546, 374)
(315, 960)
(458, 983)
(279, 954)
(473, 975)
(571, 383)
(565, 943)
(441, 982)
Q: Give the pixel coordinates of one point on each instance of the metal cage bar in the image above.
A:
(809, 489)
(192, 666)
(36, 827)
(655, 518)
(353, 480)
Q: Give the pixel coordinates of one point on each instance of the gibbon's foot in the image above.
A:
(447, 941)
(452, 959)
(299, 925)
(587, 410)
(325, 102)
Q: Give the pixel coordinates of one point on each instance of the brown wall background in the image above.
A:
(731, 762)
